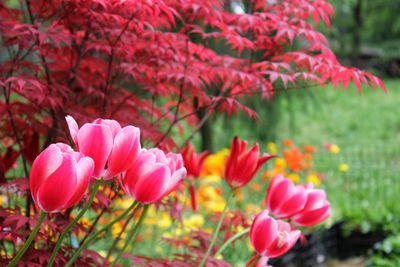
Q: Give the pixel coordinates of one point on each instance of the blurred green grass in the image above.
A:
(316, 115)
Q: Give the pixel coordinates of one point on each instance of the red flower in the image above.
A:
(284, 199)
(316, 210)
(153, 175)
(243, 165)
(59, 177)
(272, 238)
(193, 162)
(107, 143)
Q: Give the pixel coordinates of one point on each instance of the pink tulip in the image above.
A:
(284, 199)
(153, 175)
(59, 177)
(107, 143)
(272, 238)
(316, 210)
(242, 165)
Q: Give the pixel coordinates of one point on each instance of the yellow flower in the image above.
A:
(208, 192)
(3, 200)
(165, 220)
(334, 149)
(214, 164)
(195, 221)
(294, 177)
(123, 203)
(215, 206)
(212, 178)
(343, 167)
(280, 163)
(253, 209)
(272, 148)
(313, 178)
(116, 229)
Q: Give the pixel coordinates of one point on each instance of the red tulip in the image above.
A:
(153, 175)
(316, 210)
(284, 199)
(59, 177)
(107, 143)
(272, 238)
(243, 165)
(193, 162)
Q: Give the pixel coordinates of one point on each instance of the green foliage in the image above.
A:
(386, 253)
(379, 29)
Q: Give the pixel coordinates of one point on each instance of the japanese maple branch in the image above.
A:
(180, 97)
(110, 62)
(20, 146)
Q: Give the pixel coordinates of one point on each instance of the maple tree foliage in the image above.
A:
(150, 63)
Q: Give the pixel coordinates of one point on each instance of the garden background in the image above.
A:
(337, 136)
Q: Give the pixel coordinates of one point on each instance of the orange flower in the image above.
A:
(294, 159)
(288, 142)
(256, 187)
(309, 149)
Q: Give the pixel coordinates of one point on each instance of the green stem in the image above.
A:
(257, 258)
(232, 239)
(216, 231)
(29, 240)
(132, 236)
(71, 224)
(94, 236)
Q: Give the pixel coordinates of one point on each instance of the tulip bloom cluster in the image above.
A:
(147, 175)
(302, 205)
(61, 176)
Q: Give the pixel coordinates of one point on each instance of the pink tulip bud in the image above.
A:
(107, 143)
(59, 177)
(153, 175)
(242, 165)
(316, 210)
(272, 238)
(284, 199)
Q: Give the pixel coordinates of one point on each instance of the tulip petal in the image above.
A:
(174, 182)
(84, 172)
(316, 198)
(59, 187)
(280, 247)
(152, 186)
(279, 194)
(45, 164)
(293, 205)
(113, 125)
(96, 141)
(73, 128)
(313, 217)
(263, 232)
(125, 150)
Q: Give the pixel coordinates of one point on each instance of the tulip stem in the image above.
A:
(71, 224)
(95, 235)
(253, 261)
(216, 231)
(132, 236)
(29, 240)
(231, 240)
